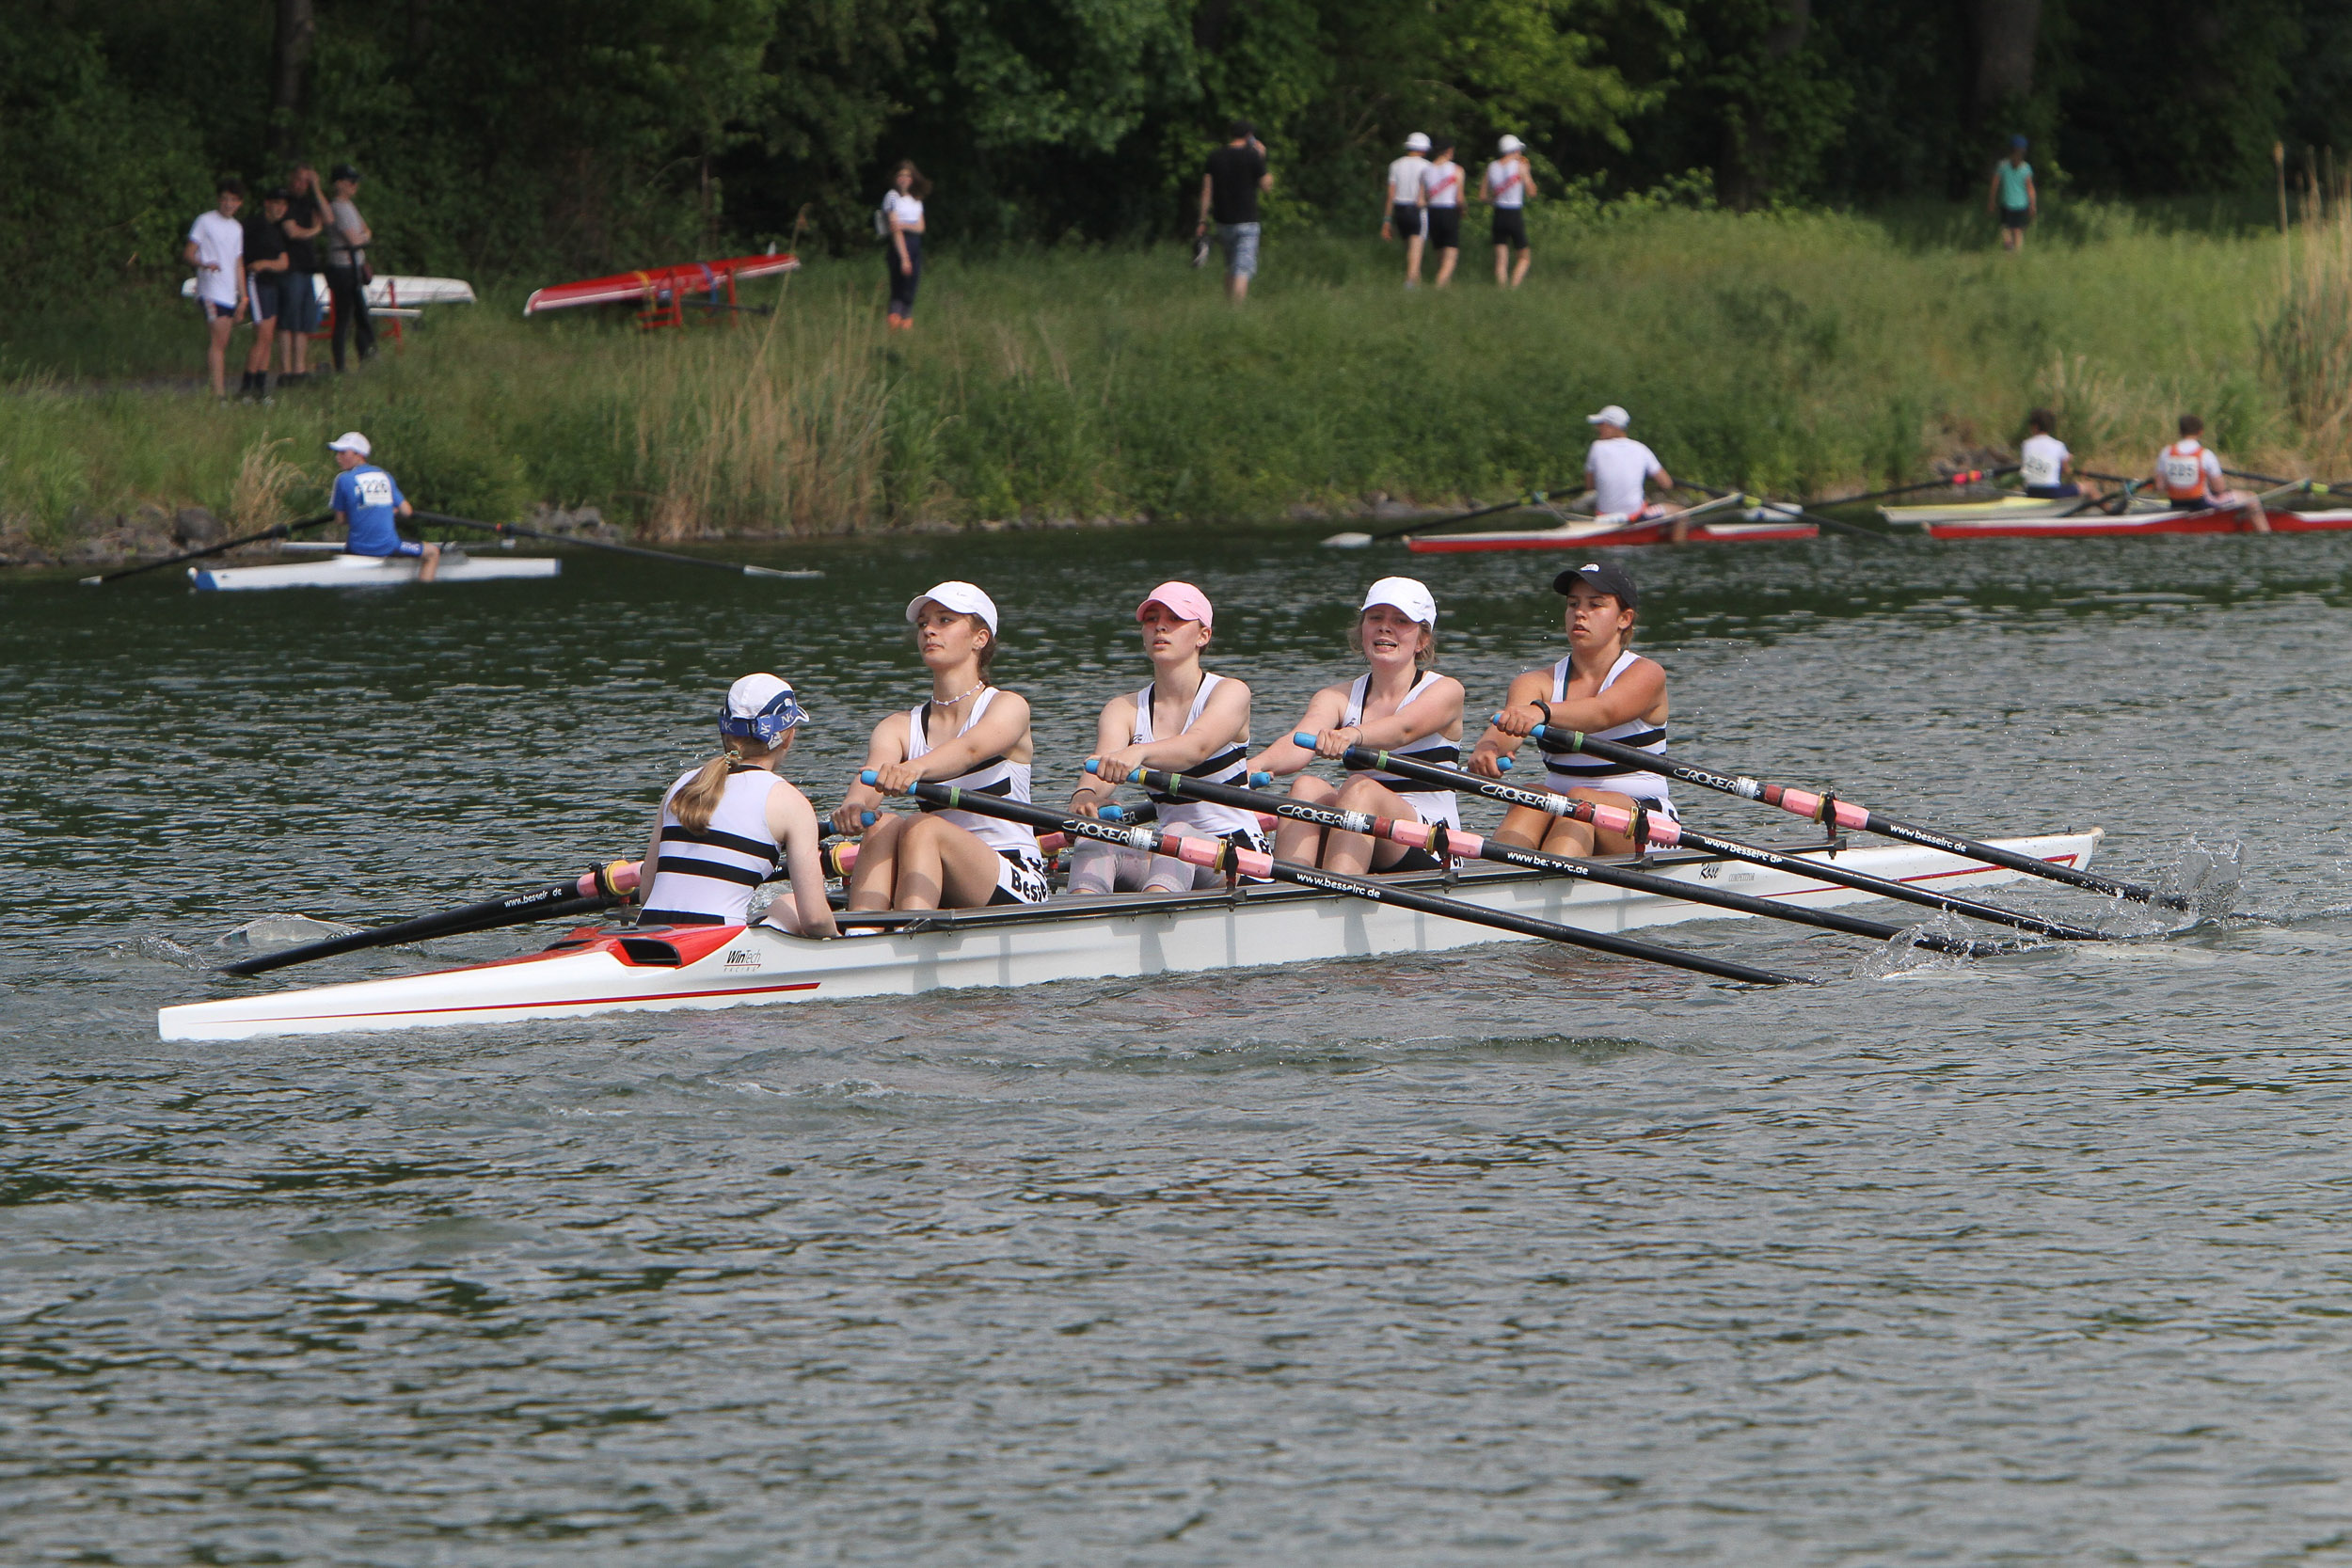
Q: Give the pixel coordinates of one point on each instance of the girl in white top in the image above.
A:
(1398, 704)
(1205, 720)
(1508, 183)
(968, 735)
(902, 217)
(722, 826)
(1603, 689)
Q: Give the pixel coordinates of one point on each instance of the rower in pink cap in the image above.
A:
(1398, 704)
(1205, 720)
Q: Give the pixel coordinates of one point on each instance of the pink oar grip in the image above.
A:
(1419, 835)
(1208, 852)
(624, 878)
(1616, 819)
(1803, 803)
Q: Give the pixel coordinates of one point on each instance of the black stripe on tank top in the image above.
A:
(679, 833)
(742, 876)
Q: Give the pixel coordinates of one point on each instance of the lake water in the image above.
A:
(1501, 1256)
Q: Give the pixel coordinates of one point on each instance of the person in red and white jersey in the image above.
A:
(1442, 193)
(1403, 214)
(1619, 468)
(2190, 473)
(1508, 183)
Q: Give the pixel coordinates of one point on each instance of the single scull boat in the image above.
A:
(2094, 525)
(369, 571)
(1583, 534)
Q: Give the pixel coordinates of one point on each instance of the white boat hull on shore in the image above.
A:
(369, 571)
(664, 969)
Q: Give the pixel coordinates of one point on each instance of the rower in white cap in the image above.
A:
(723, 826)
(1406, 213)
(1620, 469)
(968, 735)
(368, 503)
(1399, 704)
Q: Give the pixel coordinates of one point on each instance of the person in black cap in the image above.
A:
(1603, 689)
(347, 238)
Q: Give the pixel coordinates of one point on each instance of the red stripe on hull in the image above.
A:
(1637, 533)
(2104, 528)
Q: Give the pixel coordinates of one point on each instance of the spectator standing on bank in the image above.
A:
(1405, 213)
(264, 284)
(1442, 193)
(297, 294)
(347, 240)
(216, 249)
(2013, 194)
(1229, 192)
(902, 222)
(1508, 183)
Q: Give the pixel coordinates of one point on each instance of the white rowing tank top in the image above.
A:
(1430, 805)
(1506, 186)
(709, 878)
(1575, 770)
(1229, 766)
(992, 776)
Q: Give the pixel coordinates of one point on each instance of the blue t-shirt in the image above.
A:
(2015, 181)
(367, 495)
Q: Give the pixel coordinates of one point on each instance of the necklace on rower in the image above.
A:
(950, 701)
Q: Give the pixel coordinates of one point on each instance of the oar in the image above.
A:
(517, 530)
(1219, 855)
(1357, 541)
(276, 530)
(1959, 481)
(1442, 841)
(1657, 830)
(590, 889)
(1826, 808)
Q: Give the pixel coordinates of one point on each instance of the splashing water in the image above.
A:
(273, 931)
(1903, 953)
(2208, 875)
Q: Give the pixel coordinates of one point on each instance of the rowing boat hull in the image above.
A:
(369, 571)
(387, 290)
(666, 969)
(2094, 525)
(1660, 531)
(660, 285)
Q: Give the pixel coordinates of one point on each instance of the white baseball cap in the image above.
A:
(761, 706)
(1512, 144)
(1404, 594)
(1417, 143)
(961, 597)
(350, 440)
(1611, 415)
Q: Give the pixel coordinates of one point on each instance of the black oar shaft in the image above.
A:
(277, 531)
(1798, 865)
(1864, 820)
(518, 530)
(1357, 887)
(1948, 481)
(554, 900)
(1422, 525)
(1562, 865)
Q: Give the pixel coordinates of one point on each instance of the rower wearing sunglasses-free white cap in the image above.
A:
(724, 826)
(1620, 469)
(1398, 704)
(1185, 722)
(967, 735)
(1603, 689)
(368, 503)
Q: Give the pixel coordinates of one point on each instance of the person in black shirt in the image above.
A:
(1229, 192)
(297, 294)
(266, 275)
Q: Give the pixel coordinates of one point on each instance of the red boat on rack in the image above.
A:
(2098, 525)
(1600, 532)
(661, 293)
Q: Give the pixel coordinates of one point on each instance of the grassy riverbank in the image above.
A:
(1789, 354)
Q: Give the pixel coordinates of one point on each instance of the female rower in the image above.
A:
(1603, 689)
(1206, 720)
(968, 735)
(730, 820)
(1399, 704)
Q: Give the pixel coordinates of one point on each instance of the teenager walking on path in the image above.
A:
(347, 240)
(2013, 193)
(1441, 192)
(1508, 183)
(1405, 213)
(902, 219)
(297, 294)
(265, 280)
(1229, 193)
(215, 248)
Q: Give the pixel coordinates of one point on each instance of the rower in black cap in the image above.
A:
(1602, 689)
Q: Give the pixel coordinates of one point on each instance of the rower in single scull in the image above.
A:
(1398, 704)
(2044, 462)
(1603, 689)
(967, 735)
(2191, 475)
(722, 826)
(1205, 719)
(368, 503)
(1619, 469)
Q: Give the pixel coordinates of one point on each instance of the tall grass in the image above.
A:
(1791, 352)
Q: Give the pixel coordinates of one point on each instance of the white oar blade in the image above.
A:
(772, 572)
(1347, 542)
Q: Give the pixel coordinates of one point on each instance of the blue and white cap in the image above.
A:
(761, 707)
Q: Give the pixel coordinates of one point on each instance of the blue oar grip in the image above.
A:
(1113, 814)
(1304, 739)
(1259, 781)
(1505, 764)
(1094, 765)
(867, 819)
(1539, 732)
(869, 777)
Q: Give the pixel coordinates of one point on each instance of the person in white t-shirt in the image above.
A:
(1508, 183)
(1441, 195)
(1620, 469)
(902, 216)
(2043, 461)
(215, 248)
(1405, 213)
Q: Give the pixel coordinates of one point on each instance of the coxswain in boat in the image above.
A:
(1602, 689)
(968, 736)
(724, 826)
(1205, 718)
(1398, 704)
(2191, 475)
(1619, 470)
(368, 503)
(2044, 462)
